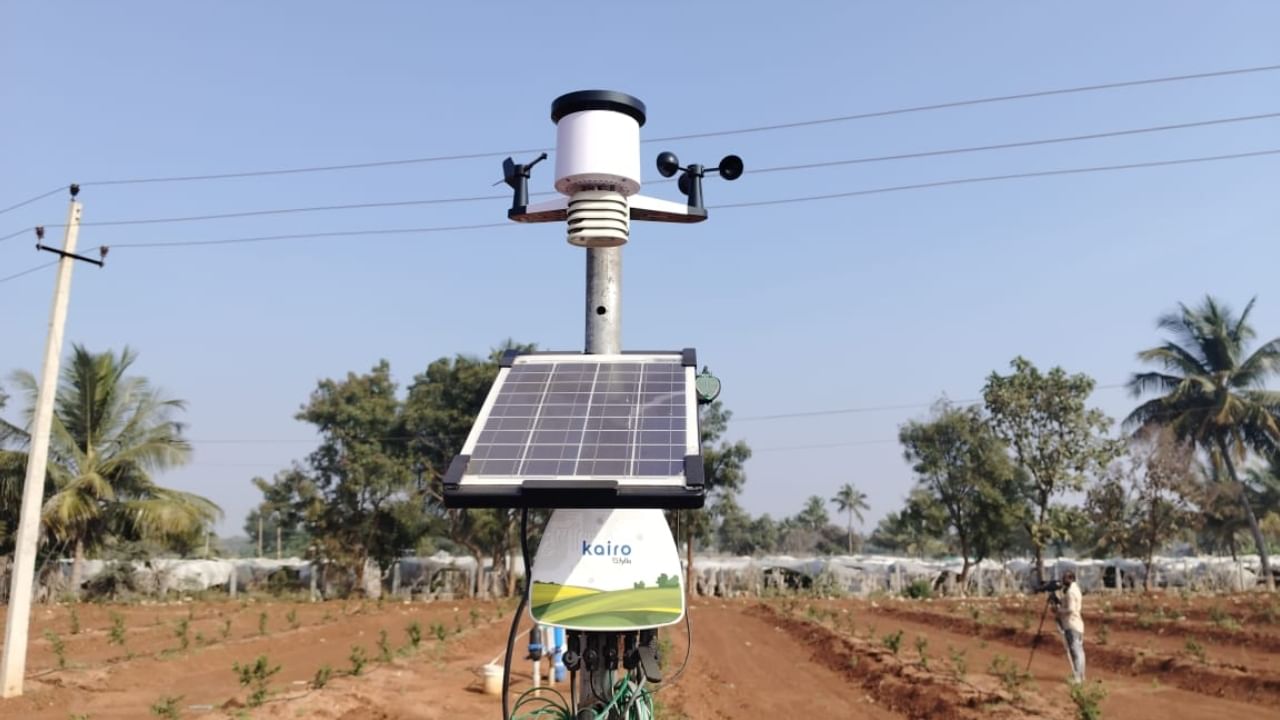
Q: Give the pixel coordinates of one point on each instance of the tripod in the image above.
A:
(1048, 600)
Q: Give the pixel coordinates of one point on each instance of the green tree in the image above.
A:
(110, 432)
(442, 405)
(723, 473)
(813, 516)
(1145, 500)
(1212, 393)
(360, 471)
(961, 464)
(919, 529)
(1054, 437)
(289, 499)
(852, 502)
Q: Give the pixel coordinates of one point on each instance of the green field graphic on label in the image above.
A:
(583, 607)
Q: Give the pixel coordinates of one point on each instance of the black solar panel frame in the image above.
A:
(543, 491)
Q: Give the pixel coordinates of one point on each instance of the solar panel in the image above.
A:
(574, 430)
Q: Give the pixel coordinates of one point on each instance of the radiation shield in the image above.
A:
(607, 571)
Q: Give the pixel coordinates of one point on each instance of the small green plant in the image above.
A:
(59, 648)
(414, 631)
(75, 622)
(893, 641)
(225, 632)
(438, 630)
(976, 614)
(1104, 633)
(664, 651)
(201, 640)
(183, 633)
(1087, 697)
(167, 707)
(1012, 678)
(918, 590)
(358, 660)
(262, 623)
(115, 635)
(256, 676)
(1196, 650)
(1223, 619)
(384, 648)
(322, 677)
(292, 617)
(959, 663)
(78, 716)
(1026, 622)
(475, 617)
(922, 644)
(328, 616)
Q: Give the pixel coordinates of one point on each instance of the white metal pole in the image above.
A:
(18, 618)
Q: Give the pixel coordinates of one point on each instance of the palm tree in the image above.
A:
(109, 433)
(852, 502)
(814, 514)
(1212, 394)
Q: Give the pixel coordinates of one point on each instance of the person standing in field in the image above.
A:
(1071, 623)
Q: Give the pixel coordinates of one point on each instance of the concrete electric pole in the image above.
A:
(17, 623)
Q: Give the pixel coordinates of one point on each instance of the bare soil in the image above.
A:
(751, 658)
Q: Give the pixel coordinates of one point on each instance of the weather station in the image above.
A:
(606, 439)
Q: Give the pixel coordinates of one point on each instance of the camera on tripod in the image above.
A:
(1052, 586)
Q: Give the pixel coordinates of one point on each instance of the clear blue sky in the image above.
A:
(879, 300)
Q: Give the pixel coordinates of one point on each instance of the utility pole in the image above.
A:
(17, 624)
(259, 532)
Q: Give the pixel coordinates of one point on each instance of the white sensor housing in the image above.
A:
(598, 150)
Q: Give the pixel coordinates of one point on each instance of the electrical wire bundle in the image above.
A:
(630, 701)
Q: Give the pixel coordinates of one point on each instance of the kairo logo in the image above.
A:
(619, 554)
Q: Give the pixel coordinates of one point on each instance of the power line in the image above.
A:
(883, 408)
(687, 136)
(28, 201)
(285, 211)
(28, 271)
(967, 103)
(318, 168)
(994, 178)
(777, 168)
(15, 234)
(1021, 144)
(301, 236)
(755, 203)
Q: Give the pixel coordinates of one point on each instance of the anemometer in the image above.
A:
(608, 439)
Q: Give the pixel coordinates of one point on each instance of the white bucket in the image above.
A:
(492, 679)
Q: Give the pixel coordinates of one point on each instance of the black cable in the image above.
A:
(515, 619)
(573, 691)
(688, 653)
(754, 171)
(28, 271)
